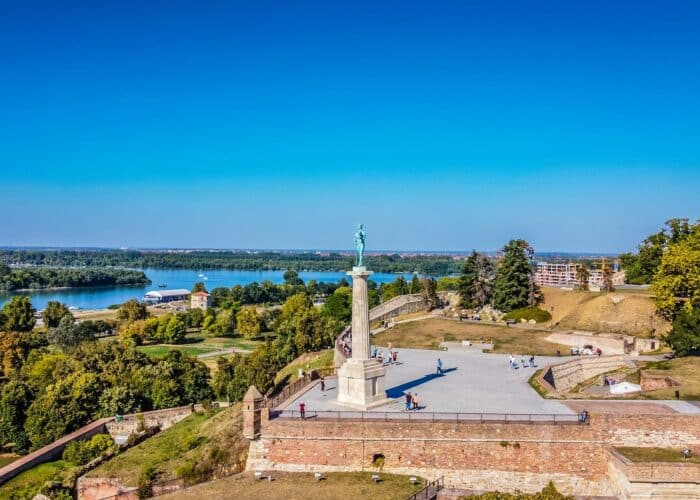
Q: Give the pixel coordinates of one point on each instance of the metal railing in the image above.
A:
(287, 391)
(430, 490)
(422, 416)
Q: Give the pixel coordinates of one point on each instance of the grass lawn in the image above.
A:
(656, 455)
(8, 458)
(198, 343)
(29, 483)
(193, 440)
(685, 370)
(321, 359)
(428, 334)
(159, 350)
(292, 486)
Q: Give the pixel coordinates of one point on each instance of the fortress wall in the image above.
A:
(485, 456)
(571, 373)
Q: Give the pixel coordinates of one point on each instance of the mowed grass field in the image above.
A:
(197, 343)
(427, 334)
(303, 486)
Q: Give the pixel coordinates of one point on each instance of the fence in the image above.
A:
(430, 490)
(275, 400)
(419, 416)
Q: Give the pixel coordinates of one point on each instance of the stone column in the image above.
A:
(361, 382)
(360, 313)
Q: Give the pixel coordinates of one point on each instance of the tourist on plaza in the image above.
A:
(394, 356)
(439, 366)
(374, 352)
(511, 361)
(532, 361)
(415, 401)
(323, 384)
(302, 410)
(409, 399)
(522, 360)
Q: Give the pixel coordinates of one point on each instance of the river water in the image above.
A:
(100, 298)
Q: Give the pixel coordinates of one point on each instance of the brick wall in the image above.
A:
(471, 455)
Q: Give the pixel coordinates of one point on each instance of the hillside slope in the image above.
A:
(616, 312)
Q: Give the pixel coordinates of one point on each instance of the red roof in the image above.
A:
(201, 294)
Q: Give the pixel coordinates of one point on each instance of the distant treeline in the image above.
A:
(434, 265)
(52, 277)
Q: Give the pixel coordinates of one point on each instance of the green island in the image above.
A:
(36, 278)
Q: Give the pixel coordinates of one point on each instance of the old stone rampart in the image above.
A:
(486, 456)
(565, 376)
(664, 480)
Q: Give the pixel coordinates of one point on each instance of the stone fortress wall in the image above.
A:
(567, 375)
(487, 456)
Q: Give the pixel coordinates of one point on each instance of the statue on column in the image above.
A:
(360, 236)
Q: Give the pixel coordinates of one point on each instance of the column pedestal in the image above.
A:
(361, 380)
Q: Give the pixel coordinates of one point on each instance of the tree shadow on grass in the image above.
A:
(399, 390)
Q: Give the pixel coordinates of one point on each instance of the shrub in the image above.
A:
(528, 313)
(82, 452)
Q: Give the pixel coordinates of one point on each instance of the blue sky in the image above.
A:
(440, 125)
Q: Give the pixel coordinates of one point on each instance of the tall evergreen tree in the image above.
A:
(582, 276)
(514, 286)
(476, 282)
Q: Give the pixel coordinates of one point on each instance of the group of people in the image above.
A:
(391, 358)
(513, 363)
(411, 401)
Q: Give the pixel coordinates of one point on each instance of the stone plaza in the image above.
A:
(472, 382)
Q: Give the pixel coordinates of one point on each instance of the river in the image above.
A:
(102, 297)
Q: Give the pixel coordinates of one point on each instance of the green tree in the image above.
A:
(248, 322)
(684, 336)
(429, 289)
(397, 287)
(582, 277)
(514, 286)
(132, 310)
(292, 278)
(18, 314)
(338, 305)
(415, 286)
(676, 283)
(476, 282)
(641, 268)
(199, 287)
(15, 399)
(53, 312)
(68, 334)
(175, 329)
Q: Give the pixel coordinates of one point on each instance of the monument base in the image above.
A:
(362, 384)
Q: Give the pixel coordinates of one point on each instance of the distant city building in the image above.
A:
(200, 300)
(160, 296)
(564, 275)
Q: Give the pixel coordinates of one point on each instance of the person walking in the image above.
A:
(439, 366)
(395, 356)
(302, 410)
(522, 360)
(511, 361)
(415, 401)
(532, 361)
(409, 400)
(323, 384)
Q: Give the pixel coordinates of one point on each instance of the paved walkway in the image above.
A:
(472, 383)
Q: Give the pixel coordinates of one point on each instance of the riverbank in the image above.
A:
(99, 298)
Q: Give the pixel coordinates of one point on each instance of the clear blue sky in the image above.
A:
(440, 125)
